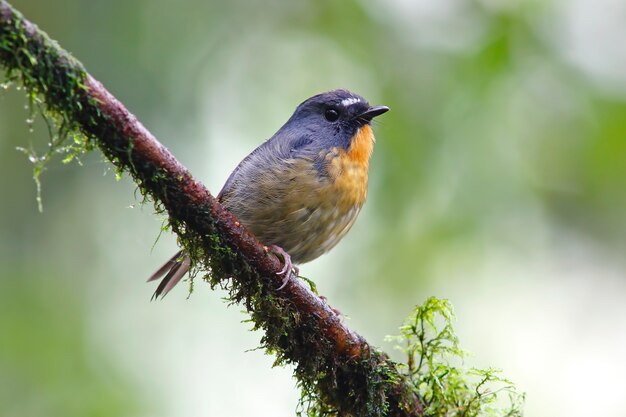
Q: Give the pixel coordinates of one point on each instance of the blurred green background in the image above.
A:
(498, 181)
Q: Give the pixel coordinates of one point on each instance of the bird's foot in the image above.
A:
(288, 268)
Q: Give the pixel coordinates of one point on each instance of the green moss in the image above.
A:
(434, 367)
(52, 81)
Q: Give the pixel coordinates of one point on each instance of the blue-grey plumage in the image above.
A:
(302, 189)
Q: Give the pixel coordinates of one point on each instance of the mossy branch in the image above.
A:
(336, 367)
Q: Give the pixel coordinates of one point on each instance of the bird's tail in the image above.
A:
(174, 270)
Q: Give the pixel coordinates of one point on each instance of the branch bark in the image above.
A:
(335, 366)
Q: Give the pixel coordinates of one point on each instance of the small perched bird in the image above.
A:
(300, 191)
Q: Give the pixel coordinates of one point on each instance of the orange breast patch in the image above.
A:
(349, 169)
(362, 146)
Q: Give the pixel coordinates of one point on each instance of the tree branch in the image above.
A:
(336, 367)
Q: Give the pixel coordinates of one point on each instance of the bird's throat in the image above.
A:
(362, 145)
(348, 169)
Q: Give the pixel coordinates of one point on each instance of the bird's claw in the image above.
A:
(288, 268)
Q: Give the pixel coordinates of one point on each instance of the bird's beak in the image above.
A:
(372, 112)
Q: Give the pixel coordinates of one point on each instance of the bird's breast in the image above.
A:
(348, 169)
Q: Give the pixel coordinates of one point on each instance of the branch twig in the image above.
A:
(334, 365)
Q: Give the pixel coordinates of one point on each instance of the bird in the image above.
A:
(300, 191)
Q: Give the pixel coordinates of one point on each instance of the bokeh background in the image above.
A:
(498, 181)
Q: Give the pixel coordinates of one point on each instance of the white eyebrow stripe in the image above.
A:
(349, 101)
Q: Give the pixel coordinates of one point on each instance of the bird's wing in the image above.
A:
(280, 147)
(233, 175)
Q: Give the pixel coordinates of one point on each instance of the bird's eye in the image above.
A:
(331, 115)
